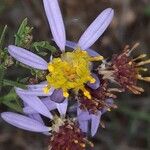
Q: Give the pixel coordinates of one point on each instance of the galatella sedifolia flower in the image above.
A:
(72, 69)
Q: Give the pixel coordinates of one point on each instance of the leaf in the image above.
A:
(11, 101)
(23, 36)
(13, 105)
(13, 83)
(3, 36)
(9, 97)
(43, 45)
(2, 69)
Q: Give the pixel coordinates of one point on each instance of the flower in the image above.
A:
(125, 70)
(72, 69)
(63, 133)
(68, 137)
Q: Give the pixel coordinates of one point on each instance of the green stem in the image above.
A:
(13, 83)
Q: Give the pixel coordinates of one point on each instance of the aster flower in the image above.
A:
(72, 69)
(63, 133)
(125, 71)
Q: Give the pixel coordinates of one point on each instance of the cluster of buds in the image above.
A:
(73, 116)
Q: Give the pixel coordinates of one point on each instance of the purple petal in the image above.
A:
(56, 22)
(96, 84)
(37, 117)
(57, 96)
(95, 120)
(83, 115)
(49, 103)
(29, 110)
(96, 29)
(26, 57)
(35, 91)
(24, 122)
(62, 107)
(109, 102)
(35, 103)
(73, 45)
(83, 125)
(37, 86)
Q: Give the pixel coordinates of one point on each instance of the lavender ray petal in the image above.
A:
(47, 102)
(51, 105)
(96, 84)
(35, 92)
(35, 103)
(37, 117)
(83, 115)
(95, 120)
(24, 122)
(37, 86)
(26, 57)
(96, 29)
(109, 102)
(62, 107)
(29, 110)
(73, 45)
(57, 96)
(55, 20)
(83, 125)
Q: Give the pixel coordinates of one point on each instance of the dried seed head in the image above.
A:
(125, 71)
(67, 137)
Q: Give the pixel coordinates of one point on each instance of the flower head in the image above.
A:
(71, 71)
(125, 70)
(68, 136)
(63, 133)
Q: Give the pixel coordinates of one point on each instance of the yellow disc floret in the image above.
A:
(71, 71)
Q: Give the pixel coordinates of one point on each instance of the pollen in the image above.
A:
(71, 71)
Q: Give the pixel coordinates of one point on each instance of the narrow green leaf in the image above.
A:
(2, 69)
(13, 83)
(9, 97)
(13, 105)
(23, 36)
(2, 37)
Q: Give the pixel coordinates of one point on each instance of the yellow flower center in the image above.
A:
(71, 71)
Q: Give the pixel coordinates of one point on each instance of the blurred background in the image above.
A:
(128, 127)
